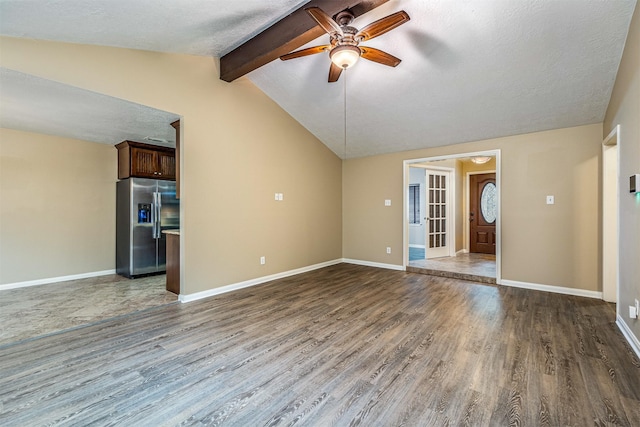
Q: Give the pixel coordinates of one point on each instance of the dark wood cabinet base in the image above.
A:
(173, 263)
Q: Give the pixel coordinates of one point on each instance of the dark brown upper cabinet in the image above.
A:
(146, 161)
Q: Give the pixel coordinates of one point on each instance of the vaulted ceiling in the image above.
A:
(470, 70)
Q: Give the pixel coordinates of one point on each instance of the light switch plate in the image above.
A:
(551, 200)
(387, 202)
(634, 183)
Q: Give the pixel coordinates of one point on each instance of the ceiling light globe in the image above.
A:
(480, 160)
(345, 56)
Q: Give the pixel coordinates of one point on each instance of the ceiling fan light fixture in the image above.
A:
(480, 160)
(345, 56)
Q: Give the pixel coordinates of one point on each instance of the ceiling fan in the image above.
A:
(344, 43)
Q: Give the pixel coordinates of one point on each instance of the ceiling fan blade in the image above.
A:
(376, 55)
(381, 26)
(334, 73)
(324, 20)
(306, 52)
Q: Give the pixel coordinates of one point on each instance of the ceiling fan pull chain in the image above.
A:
(345, 114)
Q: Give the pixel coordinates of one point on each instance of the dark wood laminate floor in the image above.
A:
(345, 345)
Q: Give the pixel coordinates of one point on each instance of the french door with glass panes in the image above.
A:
(438, 212)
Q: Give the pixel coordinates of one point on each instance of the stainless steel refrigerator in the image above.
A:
(144, 209)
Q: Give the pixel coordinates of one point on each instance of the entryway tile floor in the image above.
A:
(46, 309)
(474, 267)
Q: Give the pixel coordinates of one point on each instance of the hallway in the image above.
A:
(474, 267)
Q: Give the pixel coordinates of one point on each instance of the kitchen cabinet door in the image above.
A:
(144, 163)
(166, 165)
(140, 160)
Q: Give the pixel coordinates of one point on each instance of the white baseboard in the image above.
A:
(374, 264)
(254, 282)
(264, 279)
(55, 279)
(624, 328)
(628, 334)
(418, 246)
(550, 288)
(462, 251)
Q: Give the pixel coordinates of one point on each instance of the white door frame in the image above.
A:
(421, 226)
(610, 211)
(405, 185)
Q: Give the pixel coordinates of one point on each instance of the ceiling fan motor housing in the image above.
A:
(345, 52)
(344, 18)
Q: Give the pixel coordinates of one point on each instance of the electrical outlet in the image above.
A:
(263, 260)
(387, 202)
(388, 249)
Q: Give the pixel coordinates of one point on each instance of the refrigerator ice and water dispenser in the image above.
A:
(144, 213)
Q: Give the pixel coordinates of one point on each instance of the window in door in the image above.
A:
(414, 204)
(438, 244)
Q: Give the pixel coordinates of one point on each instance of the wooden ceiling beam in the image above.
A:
(286, 35)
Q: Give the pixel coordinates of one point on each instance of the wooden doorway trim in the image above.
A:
(405, 185)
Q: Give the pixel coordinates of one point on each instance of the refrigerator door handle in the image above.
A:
(153, 217)
(158, 214)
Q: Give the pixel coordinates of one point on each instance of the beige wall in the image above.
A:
(57, 206)
(541, 244)
(238, 149)
(624, 109)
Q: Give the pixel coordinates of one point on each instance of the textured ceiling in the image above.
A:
(197, 27)
(34, 104)
(471, 69)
